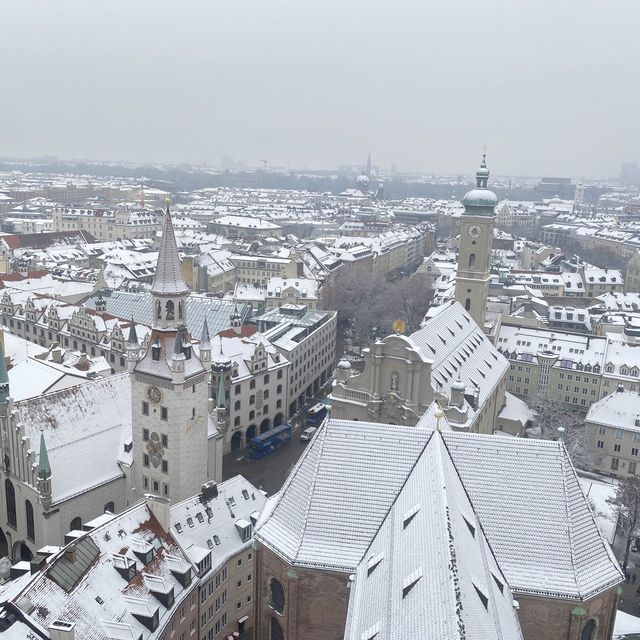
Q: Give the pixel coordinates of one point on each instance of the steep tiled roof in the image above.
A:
(431, 536)
(139, 307)
(455, 344)
(539, 524)
(335, 498)
(78, 422)
(525, 495)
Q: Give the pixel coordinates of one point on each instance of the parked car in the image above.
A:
(307, 434)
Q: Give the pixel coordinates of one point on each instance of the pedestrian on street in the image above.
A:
(626, 577)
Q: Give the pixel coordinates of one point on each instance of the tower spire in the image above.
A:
(133, 335)
(44, 467)
(168, 280)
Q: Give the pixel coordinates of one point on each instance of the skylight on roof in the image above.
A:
(483, 598)
(371, 632)
(409, 515)
(410, 581)
(373, 563)
(471, 528)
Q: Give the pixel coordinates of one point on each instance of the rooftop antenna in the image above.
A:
(265, 162)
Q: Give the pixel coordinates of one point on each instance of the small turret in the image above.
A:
(221, 399)
(205, 345)
(178, 360)
(236, 320)
(222, 415)
(133, 348)
(4, 375)
(44, 475)
(101, 304)
(457, 393)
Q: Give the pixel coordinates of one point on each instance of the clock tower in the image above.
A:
(170, 415)
(476, 235)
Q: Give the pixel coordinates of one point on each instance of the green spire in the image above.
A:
(44, 468)
(4, 375)
(133, 336)
(221, 401)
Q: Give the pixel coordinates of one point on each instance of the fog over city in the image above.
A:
(552, 86)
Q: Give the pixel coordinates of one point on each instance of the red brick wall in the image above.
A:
(315, 601)
(547, 619)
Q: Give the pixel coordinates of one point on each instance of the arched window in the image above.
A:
(624, 371)
(276, 595)
(170, 310)
(180, 311)
(276, 632)
(110, 507)
(10, 497)
(467, 304)
(158, 310)
(589, 630)
(236, 405)
(472, 259)
(76, 524)
(31, 527)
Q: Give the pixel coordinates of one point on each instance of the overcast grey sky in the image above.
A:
(551, 86)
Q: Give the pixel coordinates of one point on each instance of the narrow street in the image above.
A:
(270, 472)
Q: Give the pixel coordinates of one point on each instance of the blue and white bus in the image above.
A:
(316, 414)
(262, 445)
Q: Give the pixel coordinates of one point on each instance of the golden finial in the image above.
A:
(398, 326)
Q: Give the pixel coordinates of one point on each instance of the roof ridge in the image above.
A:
(400, 489)
(282, 491)
(568, 511)
(464, 487)
(455, 581)
(592, 516)
(86, 381)
(311, 489)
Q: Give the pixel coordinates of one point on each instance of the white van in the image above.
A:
(307, 434)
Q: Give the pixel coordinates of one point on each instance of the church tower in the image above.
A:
(169, 390)
(476, 235)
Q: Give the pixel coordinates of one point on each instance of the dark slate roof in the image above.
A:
(124, 304)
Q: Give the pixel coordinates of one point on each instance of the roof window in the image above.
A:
(373, 563)
(411, 581)
(409, 515)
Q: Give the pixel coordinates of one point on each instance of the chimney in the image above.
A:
(70, 553)
(160, 507)
(62, 630)
(209, 490)
(37, 563)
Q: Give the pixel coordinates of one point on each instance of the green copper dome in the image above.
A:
(480, 201)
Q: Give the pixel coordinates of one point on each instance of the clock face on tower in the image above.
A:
(154, 394)
(475, 231)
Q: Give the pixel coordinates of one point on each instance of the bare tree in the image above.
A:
(627, 505)
(410, 300)
(367, 301)
(556, 422)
